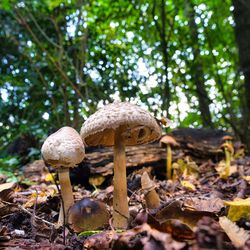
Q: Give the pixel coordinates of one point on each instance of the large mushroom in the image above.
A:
(63, 150)
(120, 124)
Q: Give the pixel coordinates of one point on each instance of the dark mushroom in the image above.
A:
(88, 214)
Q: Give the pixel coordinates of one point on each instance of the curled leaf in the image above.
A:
(238, 208)
(237, 235)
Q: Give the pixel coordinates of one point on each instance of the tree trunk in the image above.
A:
(242, 32)
(164, 47)
(197, 72)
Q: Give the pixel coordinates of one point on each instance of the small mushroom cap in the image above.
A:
(168, 140)
(137, 125)
(64, 148)
(228, 146)
(88, 214)
(227, 138)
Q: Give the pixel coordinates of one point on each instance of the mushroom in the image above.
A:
(62, 150)
(87, 214)
(168, 141)
(148, 186)
(120, 124)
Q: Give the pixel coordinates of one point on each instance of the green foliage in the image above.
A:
(9, 163)
(64, 58)
(7, 166)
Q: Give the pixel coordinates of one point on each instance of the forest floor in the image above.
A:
(199, 209)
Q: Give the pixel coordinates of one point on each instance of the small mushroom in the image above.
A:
(169, 141)
(88, 214)
(120, 124)
(229, 150)
(62, 150)
(148, 187)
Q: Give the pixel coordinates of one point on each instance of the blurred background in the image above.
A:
(186, 60)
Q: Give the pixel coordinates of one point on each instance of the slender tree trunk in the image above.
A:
(66, 107)
(162, 27)
(242, 32)
(164, 48)
(197, 68)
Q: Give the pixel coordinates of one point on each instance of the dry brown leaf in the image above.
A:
(237, 235)
(7, 185)
(188, 216)
(146, 238)
(213, 205)
(99, 241)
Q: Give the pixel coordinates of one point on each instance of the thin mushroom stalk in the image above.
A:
(120, 203)
(228, 149)
(66, 195)
(169, 163)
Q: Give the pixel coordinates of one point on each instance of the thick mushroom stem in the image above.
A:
(66, 193)
(169, 162)
(120, 203)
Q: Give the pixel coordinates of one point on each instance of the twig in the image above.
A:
(62, 203)
(33, 228)
(36, 217)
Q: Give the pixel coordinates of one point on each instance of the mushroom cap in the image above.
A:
(88, 214)
(169, 140)
(137, 125)
(64, 148)
(227, 138)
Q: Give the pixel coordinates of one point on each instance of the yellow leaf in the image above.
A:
(238, 208)
(221, 168)
(49, 177)
(247, 178)
(96, 180)
(188, 185)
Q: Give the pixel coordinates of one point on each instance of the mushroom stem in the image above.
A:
(169, 162)
(66, 193)
(120, 203)
(228, 161)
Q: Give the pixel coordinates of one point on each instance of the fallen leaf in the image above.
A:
(96, 180)
(188, 185)
(247, 178)
(237, 235)
(100, 241)
(238, 208)
(188, 216)
(50, 177)
(7, 185)
(146, 238)
(213, 205)
(221, 168)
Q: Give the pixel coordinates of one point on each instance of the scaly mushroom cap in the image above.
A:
(138, 126)
(168, 140)
(64, 148)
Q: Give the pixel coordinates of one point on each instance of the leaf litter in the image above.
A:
(196, 210)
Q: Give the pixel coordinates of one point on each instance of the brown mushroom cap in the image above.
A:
(137, 125)
(168, 140)
(88, 214)
(64, 148)
(227, 138)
